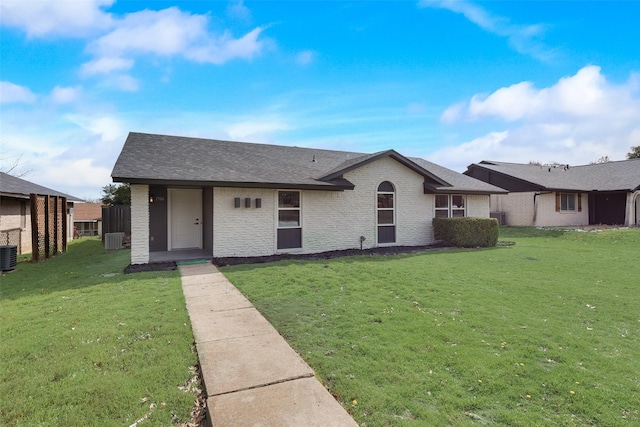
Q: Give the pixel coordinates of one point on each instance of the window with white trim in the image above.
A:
(386, 212)
(451, 206)
(289, 220)
(567, 202)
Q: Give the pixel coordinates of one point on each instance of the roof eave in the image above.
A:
(337, 185)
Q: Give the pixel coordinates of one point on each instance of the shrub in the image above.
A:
(466, 232)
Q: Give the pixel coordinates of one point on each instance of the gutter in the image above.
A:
(535, 204)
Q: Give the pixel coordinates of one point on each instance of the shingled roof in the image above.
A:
(611, 176)
(175, 160)
(12, 186)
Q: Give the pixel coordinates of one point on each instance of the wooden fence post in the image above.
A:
(35, 251)
(64, 224)
(47, 230)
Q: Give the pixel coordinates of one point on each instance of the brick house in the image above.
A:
(564, 195)
(15, 211)
(87, 219)
(234, 199)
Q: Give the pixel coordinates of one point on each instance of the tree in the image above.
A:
(14, 166)
(634, 153)
(113, 194)
(603, 159)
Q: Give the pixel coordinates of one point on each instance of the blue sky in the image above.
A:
(455, 82)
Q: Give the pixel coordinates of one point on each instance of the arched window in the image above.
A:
(386, 213)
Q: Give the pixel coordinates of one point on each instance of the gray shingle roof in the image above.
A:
(611, 176)
(461, 183)
(14, 186)
(162, 159)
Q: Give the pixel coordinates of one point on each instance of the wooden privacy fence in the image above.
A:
(116, 219)
(48, 226)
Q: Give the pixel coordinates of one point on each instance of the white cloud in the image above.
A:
(13, 93)
(168, 32)
(237, 10)
(122, 82)
(256, 130)
(105, 65)
(64, 95)
(577, 120)
(305, 57)
(523, 38)
(41, 18)
(225, 48)
(106, 128)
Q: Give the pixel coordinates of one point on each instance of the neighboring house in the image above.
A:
(15, 211)
(236, 199)
(603, 193)
(87, 219)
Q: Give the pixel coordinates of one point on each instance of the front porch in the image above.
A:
(179, 255)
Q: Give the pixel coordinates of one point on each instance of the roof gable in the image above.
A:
(357, 162)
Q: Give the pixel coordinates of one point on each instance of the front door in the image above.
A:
(185, 218)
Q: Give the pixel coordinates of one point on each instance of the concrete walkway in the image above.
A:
(251, 375)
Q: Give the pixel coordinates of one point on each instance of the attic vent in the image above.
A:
(113, 240)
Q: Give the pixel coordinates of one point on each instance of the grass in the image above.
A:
(84, 344)
(544, 332)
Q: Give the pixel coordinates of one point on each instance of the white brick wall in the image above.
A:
(139, 224)
(331, 220)
(336, 221)
(519, 208)
(243, 231)
(478, 205)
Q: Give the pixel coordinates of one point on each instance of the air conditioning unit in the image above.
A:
(8, 257)
(113, 241)
(500, 216)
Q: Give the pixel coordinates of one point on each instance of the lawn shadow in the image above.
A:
(85, 264)
(524, 232)
(385, 255)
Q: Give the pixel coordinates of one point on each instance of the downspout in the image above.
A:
(535, 204)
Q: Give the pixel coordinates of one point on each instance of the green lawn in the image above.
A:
(85, 345)
(544, 332)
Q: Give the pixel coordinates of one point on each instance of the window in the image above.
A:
(568, 202)
(289, 220)
(450, 206)
(385, 213)
(442, 206)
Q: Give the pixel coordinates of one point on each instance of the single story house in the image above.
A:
(235, 199)
(87, 219)
(15, 211)
(564, 195)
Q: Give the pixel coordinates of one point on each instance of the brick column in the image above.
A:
(139, 224)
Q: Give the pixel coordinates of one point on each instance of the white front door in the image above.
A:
(185, 218)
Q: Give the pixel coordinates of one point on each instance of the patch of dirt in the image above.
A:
(152, 266)
(391, 250)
